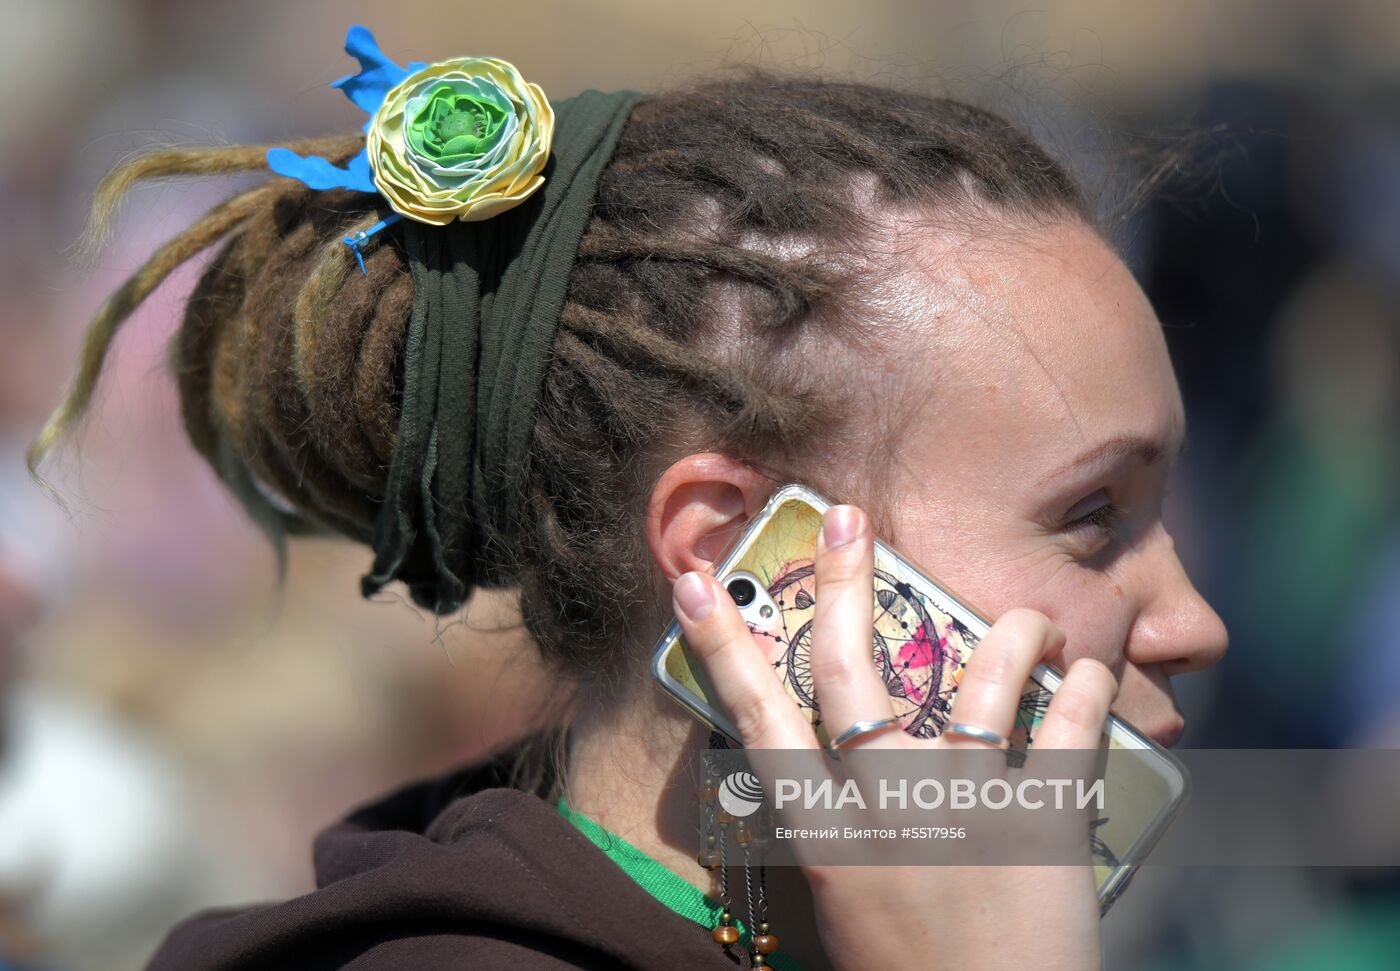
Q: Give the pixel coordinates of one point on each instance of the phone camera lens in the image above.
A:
(743, 591)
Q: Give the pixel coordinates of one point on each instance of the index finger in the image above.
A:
(763, 713)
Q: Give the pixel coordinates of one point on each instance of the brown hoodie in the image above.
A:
(456, 872)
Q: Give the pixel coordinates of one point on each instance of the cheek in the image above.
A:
(1093, 629)
(995, 574)
(1090, 607)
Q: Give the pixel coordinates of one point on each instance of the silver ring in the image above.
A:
(860, 729)
(978, 734)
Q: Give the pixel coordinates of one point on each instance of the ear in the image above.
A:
(697, 506)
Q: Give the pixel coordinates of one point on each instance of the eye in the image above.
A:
(1102, 514)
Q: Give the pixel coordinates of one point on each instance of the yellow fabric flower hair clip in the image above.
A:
(461, 139)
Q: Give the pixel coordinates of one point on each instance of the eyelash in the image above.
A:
(1105, 517)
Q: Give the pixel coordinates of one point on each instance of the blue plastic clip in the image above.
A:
(362, 237)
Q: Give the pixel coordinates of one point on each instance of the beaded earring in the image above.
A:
(754, 835)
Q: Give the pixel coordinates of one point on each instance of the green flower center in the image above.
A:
(469, 120)
(453, 125)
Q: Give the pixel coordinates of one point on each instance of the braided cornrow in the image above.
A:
(685, 326)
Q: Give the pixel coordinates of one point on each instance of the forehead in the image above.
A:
(1023, 348)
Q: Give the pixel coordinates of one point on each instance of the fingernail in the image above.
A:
(840, 526)
(693, 596)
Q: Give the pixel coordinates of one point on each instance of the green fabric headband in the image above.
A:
(488, 295)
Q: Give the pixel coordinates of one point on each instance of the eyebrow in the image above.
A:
(1148, 451)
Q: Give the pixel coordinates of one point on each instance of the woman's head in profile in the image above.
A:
(897, 299)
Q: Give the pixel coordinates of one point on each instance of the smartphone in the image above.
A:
(923, 637)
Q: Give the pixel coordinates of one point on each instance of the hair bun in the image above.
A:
(291, 354)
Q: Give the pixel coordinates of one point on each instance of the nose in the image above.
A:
(1176, 627)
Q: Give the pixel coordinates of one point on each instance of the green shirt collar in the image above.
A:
(670, 888)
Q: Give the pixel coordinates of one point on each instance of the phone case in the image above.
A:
(924, 635)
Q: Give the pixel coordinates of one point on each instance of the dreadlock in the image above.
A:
(683, 328)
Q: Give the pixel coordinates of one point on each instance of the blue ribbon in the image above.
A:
(367, 89)
(362, 237)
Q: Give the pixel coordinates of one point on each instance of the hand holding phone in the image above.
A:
(872, 916)
(923, 638)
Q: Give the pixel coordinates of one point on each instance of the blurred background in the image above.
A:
(160, 751)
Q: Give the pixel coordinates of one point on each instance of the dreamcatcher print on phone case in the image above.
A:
(919, 650)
